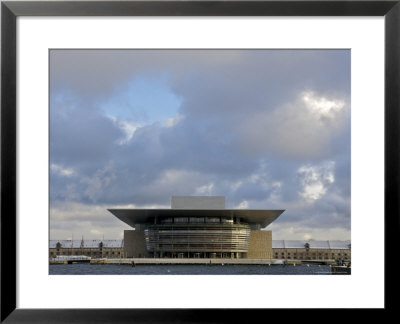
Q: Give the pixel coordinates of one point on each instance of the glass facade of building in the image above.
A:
(197, 237)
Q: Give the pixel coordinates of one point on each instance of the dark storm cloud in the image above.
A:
(243, 130)
(80, 134)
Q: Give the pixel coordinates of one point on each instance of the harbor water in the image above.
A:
(176, 269)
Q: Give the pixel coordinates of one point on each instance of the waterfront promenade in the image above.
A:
(205, 261)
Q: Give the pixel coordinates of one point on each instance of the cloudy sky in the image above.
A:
(267, 129)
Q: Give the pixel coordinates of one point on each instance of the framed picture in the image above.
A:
(182, 36)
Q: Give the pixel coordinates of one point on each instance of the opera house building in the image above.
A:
(197, 227)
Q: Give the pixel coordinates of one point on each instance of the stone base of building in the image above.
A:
(260, 245)
(135, 244)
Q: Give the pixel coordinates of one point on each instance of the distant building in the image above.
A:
(197, 227)
(311, 250)
(96, 249)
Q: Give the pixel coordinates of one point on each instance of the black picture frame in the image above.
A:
(10, 10)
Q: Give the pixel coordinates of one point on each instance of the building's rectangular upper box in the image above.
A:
(198, 202)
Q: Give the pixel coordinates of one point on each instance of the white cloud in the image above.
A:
(313, 191)
(315, 180)
(60, 170)
(129, 129)
(321, 106)
(205, 190)
(243, 205)
(307, 236)
(171, 122)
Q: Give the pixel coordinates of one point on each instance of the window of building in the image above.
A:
(196, 219)
(180, 220)
(166, 220)
(212, 220)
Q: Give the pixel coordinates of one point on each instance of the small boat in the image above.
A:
(70, 259)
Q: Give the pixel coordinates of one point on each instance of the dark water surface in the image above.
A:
(114, 269)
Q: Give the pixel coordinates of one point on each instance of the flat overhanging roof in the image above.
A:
(264, 217)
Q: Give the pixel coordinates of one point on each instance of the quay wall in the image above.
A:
(157, 261)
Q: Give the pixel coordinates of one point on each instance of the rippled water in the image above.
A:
(111, 269)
